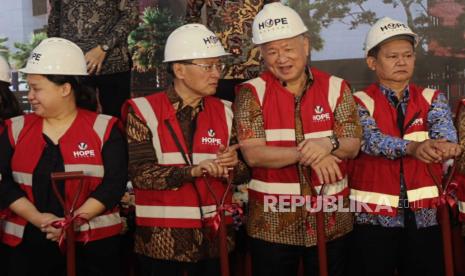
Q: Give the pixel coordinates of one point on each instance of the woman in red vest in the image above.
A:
(62, 135)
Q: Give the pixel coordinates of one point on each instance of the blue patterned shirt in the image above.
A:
(440, 126)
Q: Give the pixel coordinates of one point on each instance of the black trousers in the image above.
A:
(96, 258)
(155, 267)
(113, 91)
(381, 251)
(274, 259)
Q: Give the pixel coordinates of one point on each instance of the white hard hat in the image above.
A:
(384, 29)
(5, 72)
(56, 56)
(192, 41)
(276, 21)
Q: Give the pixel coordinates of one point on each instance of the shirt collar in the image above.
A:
(308, 83)
(177, 102)
(391, 94)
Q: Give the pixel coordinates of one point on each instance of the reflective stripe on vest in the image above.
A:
(102, 221)
(152, 122)
(23, 178)
(174, 158)
(174, 212)
(422, 193)
(294, 188)
(273, 135)
(100, 126)
(17, 124)
(260, 88)
(13, 228)
(369, 103)
(461, 205)
(374, 198)
(276, 135)
(417, 136)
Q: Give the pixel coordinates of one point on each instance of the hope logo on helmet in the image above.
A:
(211, 40)
(272, 22)
(393, 26)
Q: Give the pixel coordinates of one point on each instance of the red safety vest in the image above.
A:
(183, 207)
(375, 180)
(278, 109)
(460, 178)
(81, 148)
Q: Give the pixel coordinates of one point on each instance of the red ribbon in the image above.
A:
(447, 197)
(68, 222)
(215, 222)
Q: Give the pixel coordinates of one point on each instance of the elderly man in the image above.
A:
(180, 157)
(407, 133)
(296, 127)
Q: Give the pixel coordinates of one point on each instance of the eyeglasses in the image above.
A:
(207, 67)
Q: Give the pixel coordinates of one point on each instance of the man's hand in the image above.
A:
(94, 59)
(211, 167)
(312, 151)
(447, 150)
(425, 151)
(328, 170)
(227, 156)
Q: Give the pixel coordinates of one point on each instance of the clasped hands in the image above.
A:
(316, 153)
(44, 223)
(226, 158)
(433, 151)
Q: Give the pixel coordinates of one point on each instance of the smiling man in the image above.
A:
(294, 120)
(406, 129)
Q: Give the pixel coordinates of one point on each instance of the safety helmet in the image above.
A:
(5, 72)
(192, 41)
(56, 56)
(384, 29)
(276, 21)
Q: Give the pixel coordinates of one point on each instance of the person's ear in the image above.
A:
(371, 62)
(179, 70)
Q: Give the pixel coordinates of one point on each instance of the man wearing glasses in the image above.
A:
(296, 126)
(181, 151)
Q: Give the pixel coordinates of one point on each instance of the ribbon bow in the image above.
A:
(447, 197)
(214, 222)
(68, 222)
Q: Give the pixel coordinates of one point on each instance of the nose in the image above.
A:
(215, 72)
(282, 58)
(401, 60)
(30, 94)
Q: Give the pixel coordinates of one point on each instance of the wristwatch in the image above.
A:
(104, 47)
(334, 142)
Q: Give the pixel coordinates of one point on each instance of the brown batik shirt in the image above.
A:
(232, 23)
(178, 244)
(290, 227)
(97, 22)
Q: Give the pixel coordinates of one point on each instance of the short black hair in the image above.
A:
(9, 105)
(375, 50)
